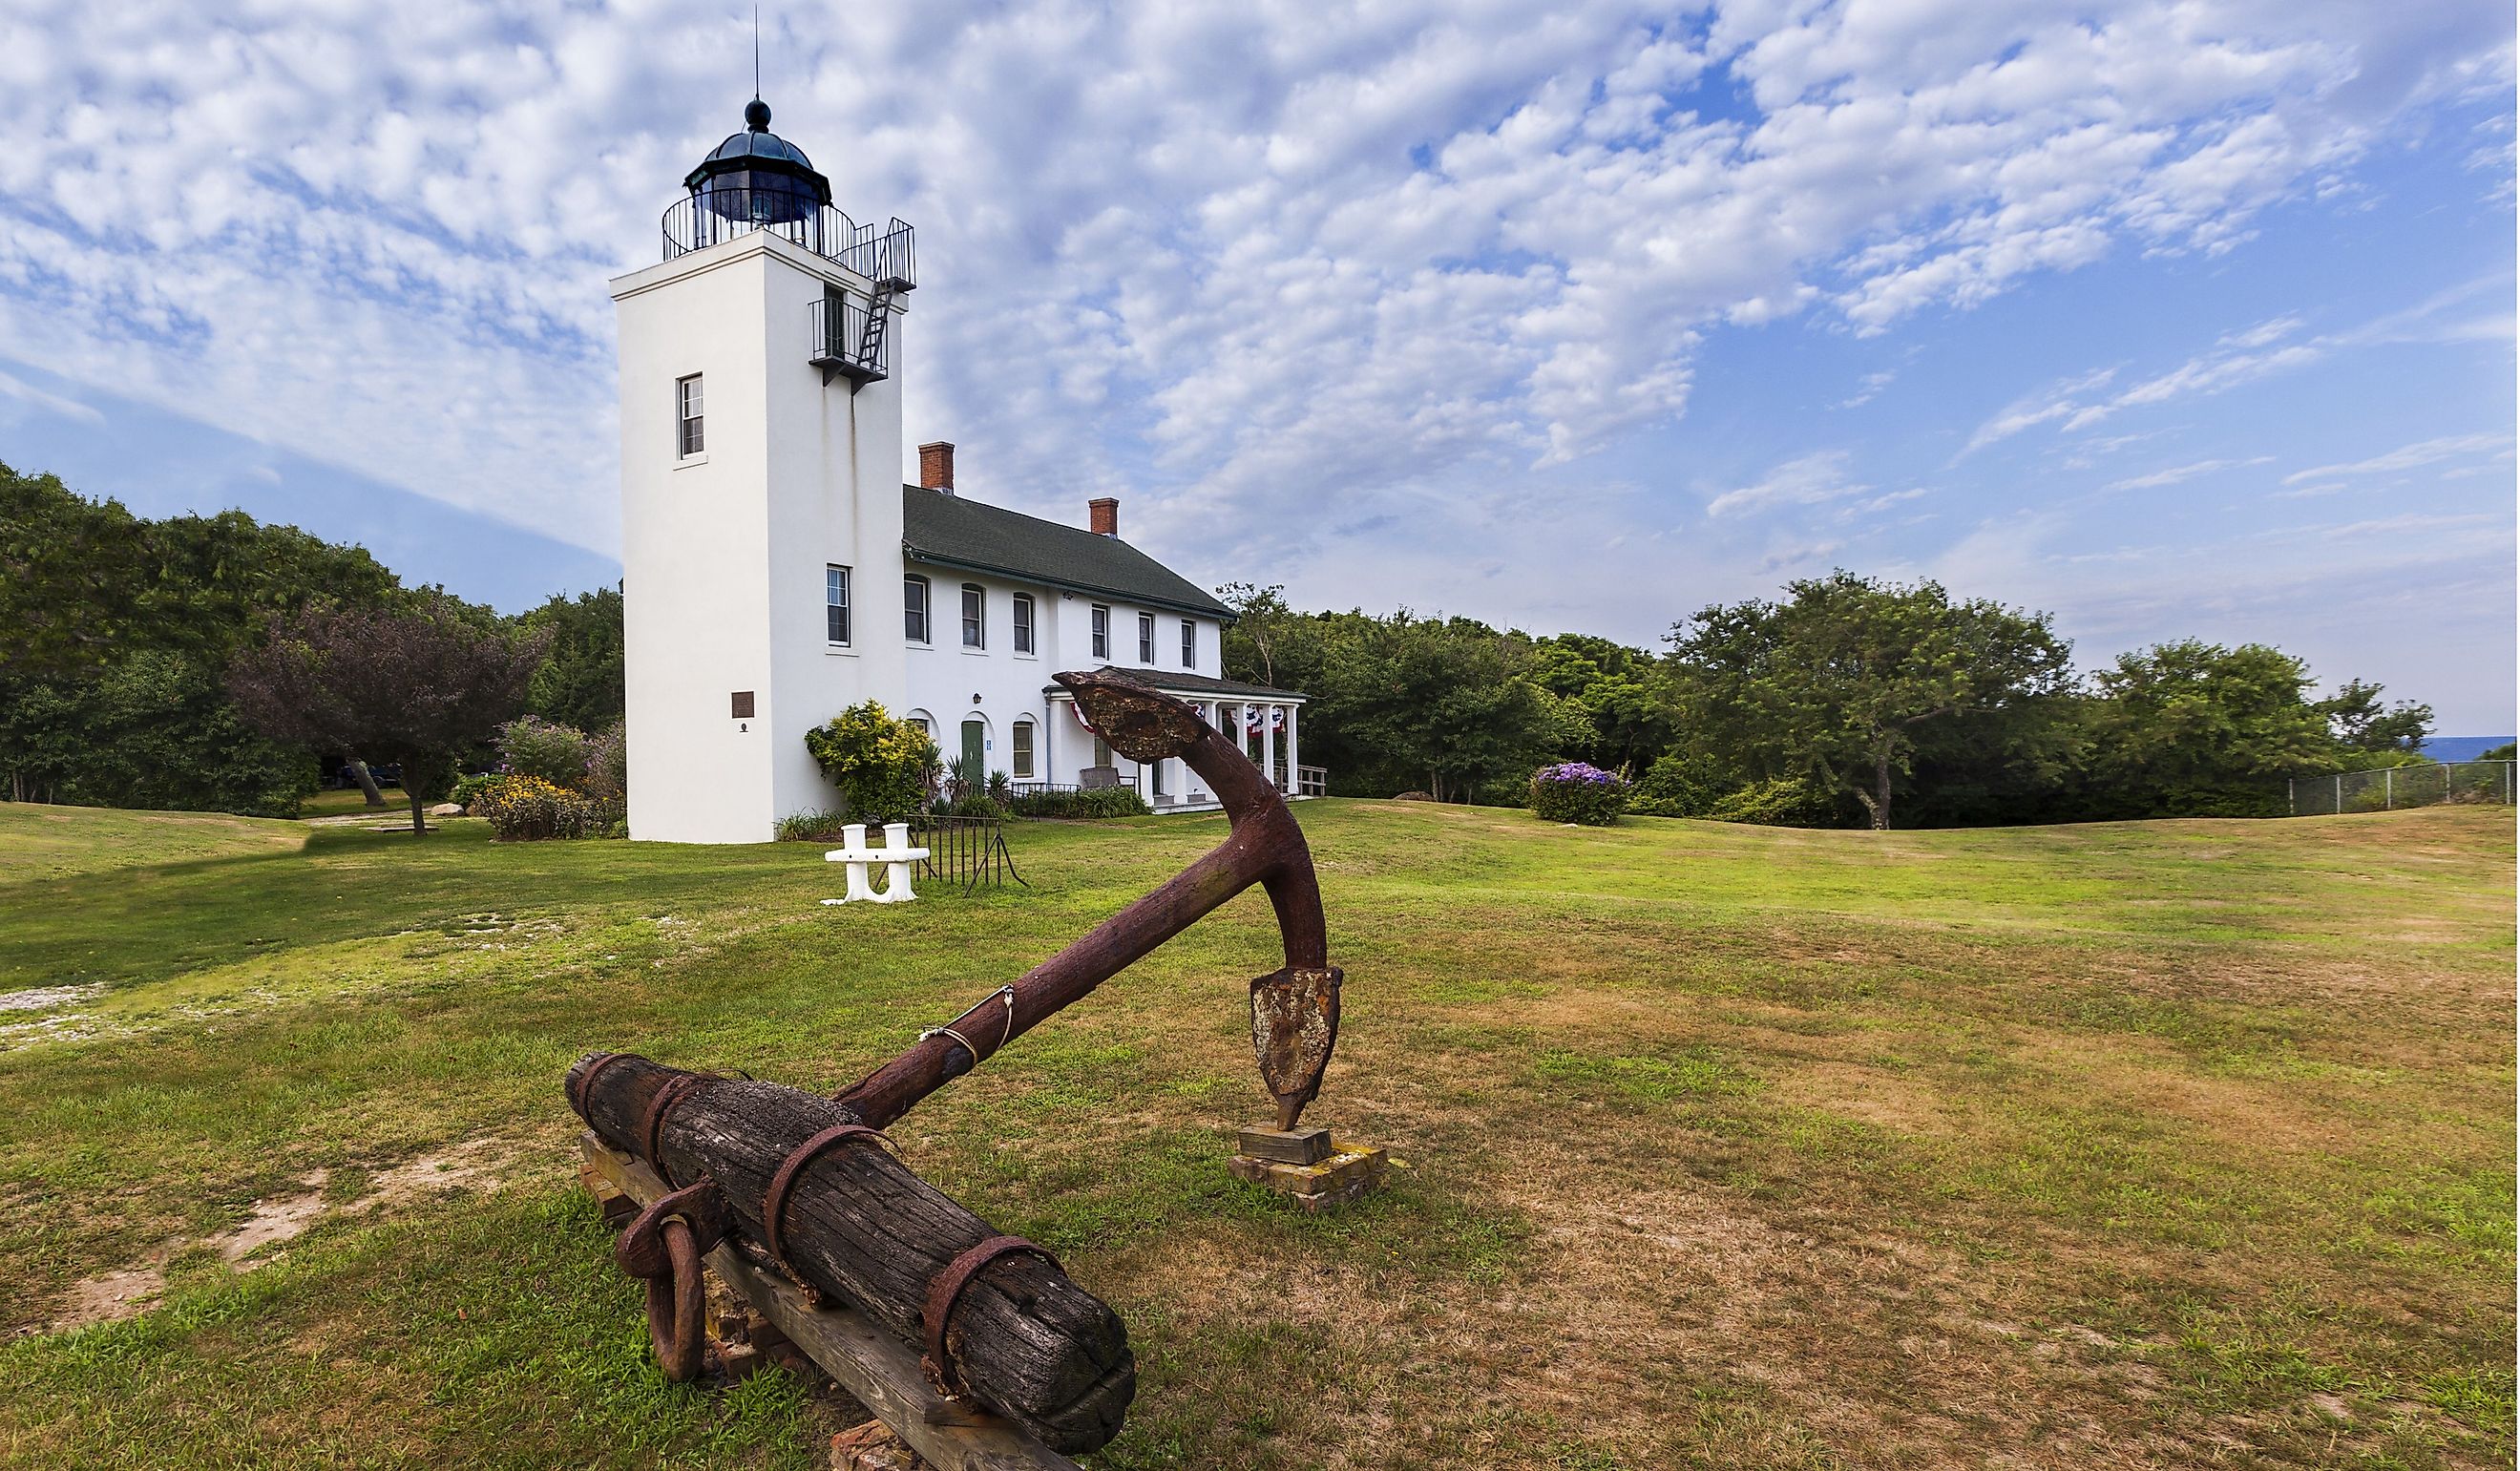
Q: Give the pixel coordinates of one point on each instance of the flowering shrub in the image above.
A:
(880, 765)
(607, 765)
(532, 746)
(1577, 791)
(525, 809)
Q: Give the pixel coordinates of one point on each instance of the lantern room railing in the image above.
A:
(881, 253)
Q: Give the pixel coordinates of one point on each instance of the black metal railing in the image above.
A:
(965, 851)
(885, 254)
(850, 337)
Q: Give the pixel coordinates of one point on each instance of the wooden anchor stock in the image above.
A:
(805, 1176)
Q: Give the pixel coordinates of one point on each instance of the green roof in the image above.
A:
(952, 532)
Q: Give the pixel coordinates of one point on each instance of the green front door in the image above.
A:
(975, 762)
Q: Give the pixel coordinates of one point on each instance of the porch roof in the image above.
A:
(1195, 685)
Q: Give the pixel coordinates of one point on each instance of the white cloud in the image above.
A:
(1807, 480)
(68, 408)
(2175, 473)
(2235, 358)
(2409, 457)
(1868, 390)
(1277, 267)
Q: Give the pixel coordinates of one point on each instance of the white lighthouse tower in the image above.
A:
(761, 493)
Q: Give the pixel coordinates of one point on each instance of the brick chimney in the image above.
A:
(936, 466)
(1102, 516)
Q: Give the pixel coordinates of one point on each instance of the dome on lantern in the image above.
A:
(757, 176)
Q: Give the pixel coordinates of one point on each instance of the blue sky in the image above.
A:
(2173, 320)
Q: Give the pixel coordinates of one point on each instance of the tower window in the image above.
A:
(914, 609)
(1022, 755)
(687, 412)
(1189, 644)
(1023, 623)
(1145, 637)
(836, 604)
(1101, 632)
(976, 608)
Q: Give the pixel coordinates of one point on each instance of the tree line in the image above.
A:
(220, 663)
(217, 663)
(1846, 701)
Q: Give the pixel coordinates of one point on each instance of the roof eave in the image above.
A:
(1026, 574)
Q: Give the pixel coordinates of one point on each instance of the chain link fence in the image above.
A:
(2394, 786)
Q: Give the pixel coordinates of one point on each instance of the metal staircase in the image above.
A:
(850, 331)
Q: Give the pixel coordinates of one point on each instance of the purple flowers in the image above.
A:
(1578, 771)
(1578, 791)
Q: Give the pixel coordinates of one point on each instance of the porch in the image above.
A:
(1268, 723)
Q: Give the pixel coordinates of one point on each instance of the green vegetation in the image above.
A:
(580, 683)
(1848, 682)
(1846, 701)
(118, 636)
(2164, 1143)
(883, 766)
(115, 635)
(417, 685)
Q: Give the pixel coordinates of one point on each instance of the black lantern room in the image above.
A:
(759, 178)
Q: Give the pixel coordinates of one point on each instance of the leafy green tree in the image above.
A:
(114, 634)
(1683, 784)
(1263, 632)
(1846, 677)
(2360, 722)
(159, 732)
(68, 570)
(580, 683)
(2192, 729)
(1443, 702)
(414, 685)
(1621, 693)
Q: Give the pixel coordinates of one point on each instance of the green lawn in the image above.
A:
(2170, 1143)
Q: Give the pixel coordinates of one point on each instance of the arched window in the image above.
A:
(1020, 757)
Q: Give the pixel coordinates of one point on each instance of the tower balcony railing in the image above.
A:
(849, 336)
(881, 253)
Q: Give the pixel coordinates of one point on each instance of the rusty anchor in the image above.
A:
(1294, 1027)
(1295, 1009)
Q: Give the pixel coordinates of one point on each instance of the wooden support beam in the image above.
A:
(882, 1371)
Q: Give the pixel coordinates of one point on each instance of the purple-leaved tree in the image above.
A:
(414, 684)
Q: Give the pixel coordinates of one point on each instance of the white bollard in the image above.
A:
(897, 854)
(854, 835)
(896, 884)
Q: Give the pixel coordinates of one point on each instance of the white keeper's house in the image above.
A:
(776, 571)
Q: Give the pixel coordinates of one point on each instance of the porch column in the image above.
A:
(1295, 782)
(1269, 739)
(1206, 712)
